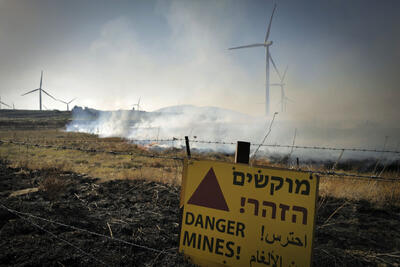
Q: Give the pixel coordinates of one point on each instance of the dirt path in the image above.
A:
(147, 214)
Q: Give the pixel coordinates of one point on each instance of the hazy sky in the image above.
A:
(343, 56)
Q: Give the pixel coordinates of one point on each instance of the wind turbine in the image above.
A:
(137, 105)
(40, 92)
(281, 84)
(285, 100)
(67, 103)
(2, 103)
(266, 44)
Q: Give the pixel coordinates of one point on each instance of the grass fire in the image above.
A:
(211, 133)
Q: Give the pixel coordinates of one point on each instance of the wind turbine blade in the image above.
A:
(284, 74)
(51, 95)
(269, 25)
(41, 78)
(71, 101)
(138, 103)
(276, 69)
(246, 46)
(5, 104)
(30, 92)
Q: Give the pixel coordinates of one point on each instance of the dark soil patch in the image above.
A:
(139, 212)
(147, 214)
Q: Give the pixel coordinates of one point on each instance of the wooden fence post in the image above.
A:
(187, 147)
(242, 152)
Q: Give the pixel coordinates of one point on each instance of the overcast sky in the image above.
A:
(343, 56)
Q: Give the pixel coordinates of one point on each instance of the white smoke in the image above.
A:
(221, 125)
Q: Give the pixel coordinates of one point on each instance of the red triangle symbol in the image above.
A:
(209, 194)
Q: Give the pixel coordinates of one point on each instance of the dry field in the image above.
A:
(358, 220)
(140, 165)
(104, 166)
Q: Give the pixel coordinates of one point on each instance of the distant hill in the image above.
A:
(33, 119)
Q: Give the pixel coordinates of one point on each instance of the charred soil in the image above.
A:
(136, 223)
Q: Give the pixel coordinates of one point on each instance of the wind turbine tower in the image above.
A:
(40, 89)
(67, 103)
(281, 84)
(137, 105)
(267, 45)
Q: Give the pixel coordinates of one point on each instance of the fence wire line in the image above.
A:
(302, 147)
(55, 236)
(325, 174)
(19, 213)
(353, 149)
(91, 150)
(354, 176)
(265, 137)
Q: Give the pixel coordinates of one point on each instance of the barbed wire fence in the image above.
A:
(182, 140)
(173, 142)
(179, 143)
(29, 218)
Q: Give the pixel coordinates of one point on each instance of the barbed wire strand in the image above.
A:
(387, 162)
(303, 147)
(354, 176)
(337, 161)
(265, 137)
(381, 156)
(294, 141)
(196, 158)
(92, 150)
(87, 231)
(353, 149)
(55, 236)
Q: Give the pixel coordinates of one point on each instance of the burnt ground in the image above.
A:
(147, 214)
(140, 212)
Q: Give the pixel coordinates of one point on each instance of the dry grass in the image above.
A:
(380, 192)
(375, 191)
(108, 167)
(99, 165)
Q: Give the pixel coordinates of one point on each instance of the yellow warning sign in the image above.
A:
(237, 215)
